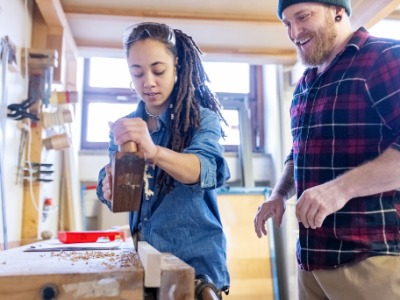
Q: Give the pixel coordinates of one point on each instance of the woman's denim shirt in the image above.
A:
(186, 221)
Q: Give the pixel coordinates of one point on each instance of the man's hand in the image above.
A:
(316, 203)
(273, 207)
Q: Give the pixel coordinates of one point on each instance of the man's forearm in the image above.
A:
(285, 186)
(377, 176)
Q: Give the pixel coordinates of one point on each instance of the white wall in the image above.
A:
(15, 22)
(278, 95)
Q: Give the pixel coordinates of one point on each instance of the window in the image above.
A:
(384, 29)
(107, 97)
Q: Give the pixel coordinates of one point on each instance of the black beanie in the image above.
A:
(282, 4)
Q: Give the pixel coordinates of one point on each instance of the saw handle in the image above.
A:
(129, 146)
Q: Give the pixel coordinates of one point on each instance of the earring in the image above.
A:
(131, 86)
(338, 18)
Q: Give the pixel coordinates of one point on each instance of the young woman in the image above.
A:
(177, 127)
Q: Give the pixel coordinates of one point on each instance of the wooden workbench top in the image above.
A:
(89, 274)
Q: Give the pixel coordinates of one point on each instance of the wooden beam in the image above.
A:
(369, 12)
(394, 15)
(39, 30)
(263, 55)
(100, 12)
(54, 15)
(56, 32)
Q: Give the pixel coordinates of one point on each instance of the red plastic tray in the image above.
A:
(68, 237)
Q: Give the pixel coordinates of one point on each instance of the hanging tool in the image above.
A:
(33, 171)
(38, 165)
(20, 111)
(36, 177)
(128, 167)
(38, 171)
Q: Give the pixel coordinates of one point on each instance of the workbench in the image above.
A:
(107, 271)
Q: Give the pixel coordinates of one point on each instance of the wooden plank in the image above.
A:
(31, 190)
(51, 11)
(104, 274)
(177, 279)
(47, 37)
(39, 30)
(151, 261)
(54, 33)
(70, 215)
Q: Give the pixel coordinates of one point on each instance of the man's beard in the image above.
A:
(323, 41)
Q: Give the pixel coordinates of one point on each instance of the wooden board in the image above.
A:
(177, 279)
(173, 277)
(104, 274)
(250, 259)
(151, 261)
(31, 193)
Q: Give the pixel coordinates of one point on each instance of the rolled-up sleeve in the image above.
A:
(206, 146)
(99, 191)
(383, 86)
(102, 173)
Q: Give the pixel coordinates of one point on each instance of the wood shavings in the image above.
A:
(129, 259)
(111, 259)
(146, 176)
(75, 257)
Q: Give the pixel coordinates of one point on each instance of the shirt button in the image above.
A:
(145, 219)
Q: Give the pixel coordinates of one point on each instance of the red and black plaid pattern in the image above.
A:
(340, 119)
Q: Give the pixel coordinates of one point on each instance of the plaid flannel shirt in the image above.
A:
(340, 119)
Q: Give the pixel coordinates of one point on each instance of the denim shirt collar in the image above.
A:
(165, 117)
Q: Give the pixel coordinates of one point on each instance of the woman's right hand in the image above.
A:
(107, 183)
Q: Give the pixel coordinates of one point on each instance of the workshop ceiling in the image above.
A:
(226, 30)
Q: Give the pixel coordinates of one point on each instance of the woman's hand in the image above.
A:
(107, 184)
(136, 130)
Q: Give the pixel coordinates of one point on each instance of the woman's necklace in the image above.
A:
(149, 114)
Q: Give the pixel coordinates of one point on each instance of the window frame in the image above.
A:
(252, 101)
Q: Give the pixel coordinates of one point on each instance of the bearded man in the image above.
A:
(344, 165)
